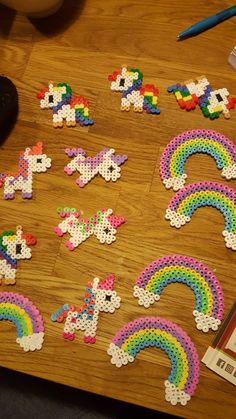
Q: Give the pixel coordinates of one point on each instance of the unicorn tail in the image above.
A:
(60, 314)
(150, 93)
(2, 179)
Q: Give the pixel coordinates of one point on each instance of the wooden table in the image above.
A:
(81, 45)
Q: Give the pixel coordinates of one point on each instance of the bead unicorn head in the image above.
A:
(129, 82)
(102, 225)
(99, 297)
(32, 160)
(59, 99)
(12, 248)
(104, 163)
(212, 102)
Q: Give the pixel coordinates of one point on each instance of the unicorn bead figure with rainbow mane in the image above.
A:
(129, 82)
(100, 296)
(59, 99)
(12, 248)
(32, 160)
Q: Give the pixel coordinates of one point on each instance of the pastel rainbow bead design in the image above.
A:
(177, 151)
(209, 307)
(183, 204)
(26, 317)
(161, 333)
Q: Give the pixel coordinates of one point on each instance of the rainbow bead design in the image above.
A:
(161, 333)
(26, 317)
(104, 163)
(212, 102)
(209, 308)
(177, 151)
(199, 194)
(59, 99)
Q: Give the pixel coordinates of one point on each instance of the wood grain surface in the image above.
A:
(81, 45)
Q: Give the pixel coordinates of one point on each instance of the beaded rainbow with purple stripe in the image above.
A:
(209, 307)
(26, 317)
(183, 204)
(177, 151)
(161, 333)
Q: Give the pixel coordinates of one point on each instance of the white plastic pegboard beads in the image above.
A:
(105, 163)
(32, 160)
(13, 247)
(99, 297)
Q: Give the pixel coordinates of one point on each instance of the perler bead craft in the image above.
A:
(212, 102)
(12, 248)
(99, 297)
(184, 145)
(209, 307)
(156, 331)
(104, 163)
(32, 160)
(129, 82)
(200, 194)
(26, 317)
(102, 225)
(59, 99)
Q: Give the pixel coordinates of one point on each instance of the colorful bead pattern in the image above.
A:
(26, 317)
(32, 160)
(129, 82)
(12, 248)
(99, 297)
(102, 225)
(212, 102)
(199, 194)
(209, 308)
(104, 163)
(184, 145)
(156, 331)
(59, 99)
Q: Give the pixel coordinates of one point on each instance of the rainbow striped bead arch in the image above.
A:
(158, 332)
(183, 204)
(177, 151)
(26, 317)
(209, 307)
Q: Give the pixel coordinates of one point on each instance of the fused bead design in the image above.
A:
(209, 307)
(199, 194)
(184, 145)
(12, 248)
(59, 99)
(129, 82)
(32, 160)
(99, 297)
(161, 333)
(102, 225)
(104, 163)
(26, 317)
(212, 102)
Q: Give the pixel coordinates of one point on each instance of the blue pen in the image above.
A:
(207, 23)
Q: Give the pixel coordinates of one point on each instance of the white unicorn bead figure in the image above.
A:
(12, 248)
(99, 297)
(104, 163)
(102, 225)
(32, 160)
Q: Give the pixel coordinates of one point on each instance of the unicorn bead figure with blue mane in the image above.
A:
(12, 248)
(32, 160)
(59, 99)
(100, 296)
(129, 82)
